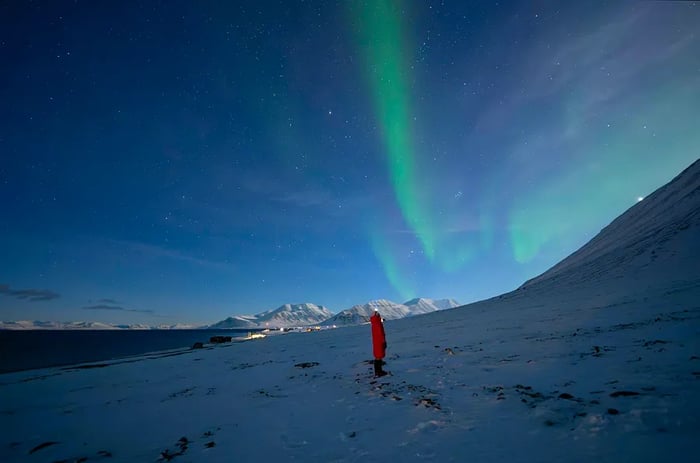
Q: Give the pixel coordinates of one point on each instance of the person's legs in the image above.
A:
(378, 368)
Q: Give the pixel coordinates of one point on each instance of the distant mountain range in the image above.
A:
(389, 310)
(285, 316)
(297, 315)
(40, 325)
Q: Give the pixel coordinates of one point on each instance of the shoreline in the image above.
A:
(44, 343)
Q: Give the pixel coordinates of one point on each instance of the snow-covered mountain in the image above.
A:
(389, 310)
(360, 313)
(658, 234)
(133, 326)
(82, 325)
(444, 304)
(285, 316)
(422, 305)
(177, 326)
(236, 321)
(290, 315)
(42, 325)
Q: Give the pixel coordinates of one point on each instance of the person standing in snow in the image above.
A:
(378, 343)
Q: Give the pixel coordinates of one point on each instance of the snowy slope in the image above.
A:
(595, 362)
(491, 382)
(660, 231)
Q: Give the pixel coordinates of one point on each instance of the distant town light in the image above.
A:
(639, 198)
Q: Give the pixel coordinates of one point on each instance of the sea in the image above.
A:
(30, 349)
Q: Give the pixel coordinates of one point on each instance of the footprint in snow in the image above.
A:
(179, 449)
(100, 454)
(42, 446)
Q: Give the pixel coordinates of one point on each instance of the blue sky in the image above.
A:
(176, 162)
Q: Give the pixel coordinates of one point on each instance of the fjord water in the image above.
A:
(30, 349)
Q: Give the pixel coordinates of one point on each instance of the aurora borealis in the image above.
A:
(381, 40)
(174, 162)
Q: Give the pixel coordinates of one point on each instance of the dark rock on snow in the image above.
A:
(306, 364)
(624, 394)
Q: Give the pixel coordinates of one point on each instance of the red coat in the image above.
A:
(378, 336)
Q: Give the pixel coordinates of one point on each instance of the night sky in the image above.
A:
(170, 161)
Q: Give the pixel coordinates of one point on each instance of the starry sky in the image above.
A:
(169, 161)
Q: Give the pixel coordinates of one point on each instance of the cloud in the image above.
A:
(32, 295)
(308, 198)
(591, 65)
(289, 192)
(333, 200)
(114, 307)
(106, 301)
(146, 249)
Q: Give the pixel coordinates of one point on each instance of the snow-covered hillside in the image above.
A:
(660, 231)
(597, 361)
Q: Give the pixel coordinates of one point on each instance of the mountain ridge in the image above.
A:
(285, 316)
(653, 231)
(389, 310)
(87, 325)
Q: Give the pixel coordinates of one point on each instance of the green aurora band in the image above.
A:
(392, 268)
(651, 134)
(381, 42)
(379, 33)
(661, 140)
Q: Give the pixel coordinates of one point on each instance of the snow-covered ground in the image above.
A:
(598, 360)
(484, 383)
